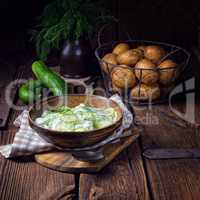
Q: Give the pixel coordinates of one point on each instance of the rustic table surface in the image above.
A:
(129, 176)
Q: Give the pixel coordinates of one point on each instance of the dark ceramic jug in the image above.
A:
(76, 59)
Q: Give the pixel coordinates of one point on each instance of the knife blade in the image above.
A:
(171, 153)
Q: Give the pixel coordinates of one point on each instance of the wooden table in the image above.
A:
(130, 176)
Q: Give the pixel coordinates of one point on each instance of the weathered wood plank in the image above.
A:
(171, 179)
(124, 178)
(25, 179)
(28, 180)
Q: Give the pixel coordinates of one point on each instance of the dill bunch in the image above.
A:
(67, 20)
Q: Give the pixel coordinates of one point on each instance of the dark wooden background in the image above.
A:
(173, 21)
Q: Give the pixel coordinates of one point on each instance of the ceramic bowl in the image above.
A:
(74, 139)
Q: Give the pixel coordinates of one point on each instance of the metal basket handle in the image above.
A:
(102, 29)
(100, 33)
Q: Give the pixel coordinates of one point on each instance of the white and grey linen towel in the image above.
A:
(28, 142)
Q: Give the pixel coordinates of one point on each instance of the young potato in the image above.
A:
(116, 89)
(124, 66)
(140, 52)
(130, 57)
(120, 48)
(145, 92)
(166, 75)
(142, 48)
(154, 53)
(119, 66)
(110, 59)
(123, 77)
(147, 74)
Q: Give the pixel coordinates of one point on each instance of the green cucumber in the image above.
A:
(49, 78)
(30, 91)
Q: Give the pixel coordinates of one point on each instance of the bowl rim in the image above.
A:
(117, 122)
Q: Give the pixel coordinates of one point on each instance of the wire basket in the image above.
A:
(179, 55)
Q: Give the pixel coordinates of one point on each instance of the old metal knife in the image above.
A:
(171, 153)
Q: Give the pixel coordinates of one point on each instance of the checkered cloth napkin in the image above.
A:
(28, 142)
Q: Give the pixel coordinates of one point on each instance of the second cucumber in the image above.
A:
(30, 91)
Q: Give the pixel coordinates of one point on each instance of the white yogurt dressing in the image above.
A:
(77, 119)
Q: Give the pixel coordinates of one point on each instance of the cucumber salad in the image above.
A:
(77, 119)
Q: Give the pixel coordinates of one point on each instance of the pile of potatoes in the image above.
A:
(140, 70)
